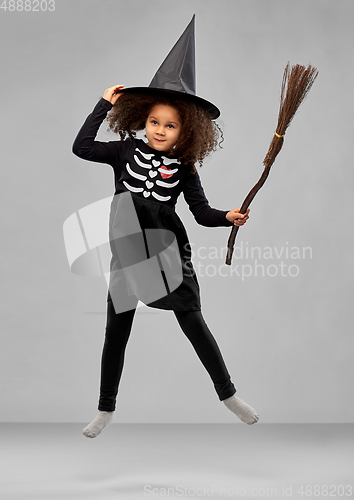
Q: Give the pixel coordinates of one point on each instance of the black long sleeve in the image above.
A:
(85, 146)
(204, 214)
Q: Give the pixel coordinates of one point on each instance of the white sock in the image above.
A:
(244, 412)
(95, 427)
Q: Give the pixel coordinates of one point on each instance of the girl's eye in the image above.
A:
(153, 122)
(171, 126)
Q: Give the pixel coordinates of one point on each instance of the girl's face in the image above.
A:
(163, 127)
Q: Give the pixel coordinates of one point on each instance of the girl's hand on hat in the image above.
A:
(112, 94)
(237, 218)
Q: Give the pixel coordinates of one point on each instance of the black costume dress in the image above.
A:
(148, 183)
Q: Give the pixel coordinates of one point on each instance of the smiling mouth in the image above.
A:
(159, 140)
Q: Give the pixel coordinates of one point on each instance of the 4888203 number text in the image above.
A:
(28, 5)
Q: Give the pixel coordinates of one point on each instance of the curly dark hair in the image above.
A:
(199, 137)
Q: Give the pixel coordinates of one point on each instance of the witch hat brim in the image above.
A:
(175, 78)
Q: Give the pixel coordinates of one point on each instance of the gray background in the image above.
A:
(287, 341)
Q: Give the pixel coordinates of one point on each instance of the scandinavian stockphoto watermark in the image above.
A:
(250, 261)
(105, 239)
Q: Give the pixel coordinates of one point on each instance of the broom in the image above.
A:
(296, 84)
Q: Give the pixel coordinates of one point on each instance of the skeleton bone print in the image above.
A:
(152, 170)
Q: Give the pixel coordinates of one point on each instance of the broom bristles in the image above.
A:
(295, 87)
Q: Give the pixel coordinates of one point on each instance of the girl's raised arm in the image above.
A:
(85, 146)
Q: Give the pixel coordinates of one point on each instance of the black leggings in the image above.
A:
(118, 329)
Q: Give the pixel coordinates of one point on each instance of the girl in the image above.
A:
(179, 133)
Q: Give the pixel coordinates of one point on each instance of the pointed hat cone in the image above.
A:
(177, 72)
(175, 78)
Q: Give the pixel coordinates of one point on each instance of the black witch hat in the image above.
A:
(176, 75)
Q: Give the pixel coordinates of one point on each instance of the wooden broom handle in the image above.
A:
(243, 210)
